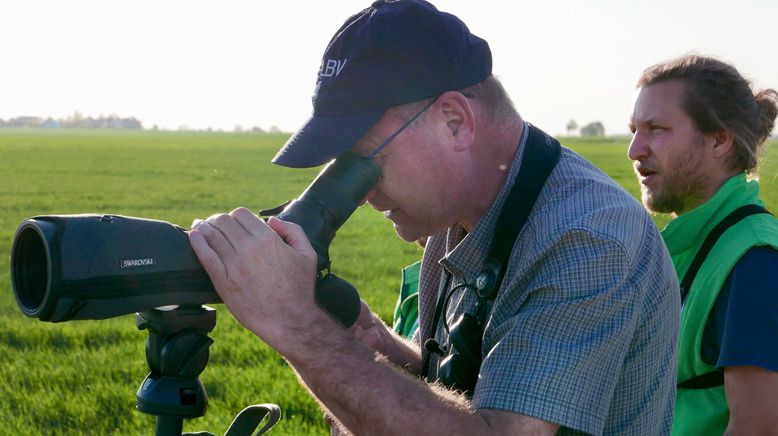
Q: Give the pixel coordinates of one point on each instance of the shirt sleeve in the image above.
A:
(743, 326)
(575, 315)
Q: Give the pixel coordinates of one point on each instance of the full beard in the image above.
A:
(679, 188)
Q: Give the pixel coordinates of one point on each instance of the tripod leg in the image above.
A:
(169, 426)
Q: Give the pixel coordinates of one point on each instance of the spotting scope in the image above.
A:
(97, 266)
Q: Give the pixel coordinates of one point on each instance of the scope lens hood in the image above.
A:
(31, 266)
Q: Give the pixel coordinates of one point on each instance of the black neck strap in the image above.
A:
(540, 157)
(541, 154)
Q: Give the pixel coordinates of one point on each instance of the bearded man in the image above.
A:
(699, 130)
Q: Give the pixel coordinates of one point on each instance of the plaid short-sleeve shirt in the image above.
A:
(583, 331)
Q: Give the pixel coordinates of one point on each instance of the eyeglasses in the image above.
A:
(403, 127)
(408, 123)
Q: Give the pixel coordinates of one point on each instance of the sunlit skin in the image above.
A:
(678, 167)
(412, 193)
(428, 169)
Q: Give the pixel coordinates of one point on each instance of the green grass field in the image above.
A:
(81, 377)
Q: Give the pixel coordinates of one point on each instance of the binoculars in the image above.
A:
(93, 266)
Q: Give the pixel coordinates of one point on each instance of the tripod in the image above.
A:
(177, 352)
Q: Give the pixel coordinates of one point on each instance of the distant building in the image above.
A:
(50, 123)
(25, 121)
(113, 121)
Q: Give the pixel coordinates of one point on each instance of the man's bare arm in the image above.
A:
(752, 395)
(369, 395)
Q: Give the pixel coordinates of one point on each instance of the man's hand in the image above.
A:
(264, 273)
(371, 331)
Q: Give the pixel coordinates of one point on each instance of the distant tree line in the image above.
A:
(112, 121)
(75, 121)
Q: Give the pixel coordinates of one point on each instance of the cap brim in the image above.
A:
(322, 139)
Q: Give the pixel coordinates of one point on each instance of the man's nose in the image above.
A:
(638, 148)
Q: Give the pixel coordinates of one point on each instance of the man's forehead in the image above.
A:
(659, 100)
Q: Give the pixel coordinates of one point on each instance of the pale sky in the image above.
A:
(253, 63)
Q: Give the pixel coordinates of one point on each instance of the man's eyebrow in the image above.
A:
(644, 121)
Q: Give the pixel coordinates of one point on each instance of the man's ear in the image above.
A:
(459, 118)
(723, 144)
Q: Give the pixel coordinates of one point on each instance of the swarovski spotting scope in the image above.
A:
(92, 266)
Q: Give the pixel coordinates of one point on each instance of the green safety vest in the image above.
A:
(406, 312)
(705, 411)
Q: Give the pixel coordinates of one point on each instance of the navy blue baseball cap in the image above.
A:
(393, 52)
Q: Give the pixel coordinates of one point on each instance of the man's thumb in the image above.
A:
(291, 233)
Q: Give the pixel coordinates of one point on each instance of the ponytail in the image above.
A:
(767, 101)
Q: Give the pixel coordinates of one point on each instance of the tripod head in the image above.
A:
(176, 352)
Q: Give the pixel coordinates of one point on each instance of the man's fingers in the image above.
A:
(250, 222)
(364, 320)
(291, 233)
(211, 261)
(215, 237)
(233, 232)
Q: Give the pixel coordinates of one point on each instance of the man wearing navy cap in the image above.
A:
(579, 333)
